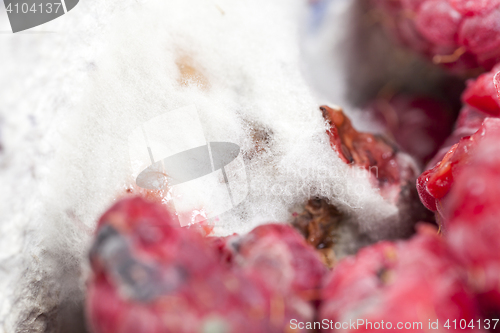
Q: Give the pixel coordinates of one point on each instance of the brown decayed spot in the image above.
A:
(190, 74)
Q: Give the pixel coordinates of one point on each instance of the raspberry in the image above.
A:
(365, 150)
(462, 35)
(223, 248)
(473, 227)
(480, 34)
(434, 184)
(438, 22)
(393, 173)
(150, 276)
(410, 281)
(420, 125)
(482, 93)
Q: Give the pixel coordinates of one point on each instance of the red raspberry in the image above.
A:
(150, 276)
(434, 184)
(459, 34)
(394, 172)
(473, 225)
(411, 281)
(480, 34)
(438, 22)
(420, 125)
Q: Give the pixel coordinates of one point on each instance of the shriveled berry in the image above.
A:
(365, 150)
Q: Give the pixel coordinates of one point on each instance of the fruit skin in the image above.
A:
(473, 224)
(434, 184)
(148, 275)
(482, 94)
(461, 35)
(362, 149)
(392, 171)
(411, 281)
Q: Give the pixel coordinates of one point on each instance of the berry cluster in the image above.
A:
(149, 275)
(455, 275)
(432, 277)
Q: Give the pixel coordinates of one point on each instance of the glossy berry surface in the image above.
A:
(434, 184)
(482, 94)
